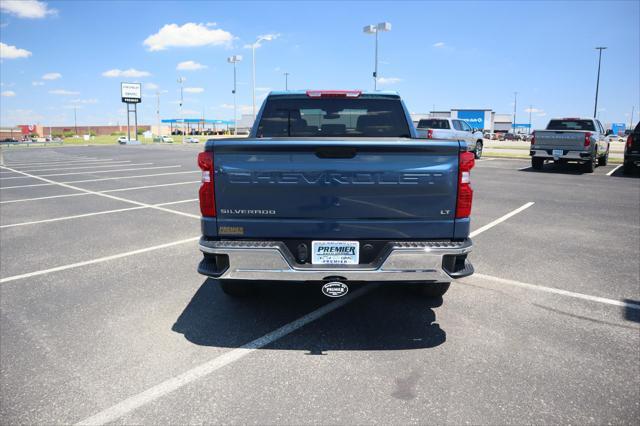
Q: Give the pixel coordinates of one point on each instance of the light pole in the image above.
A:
(530, 109)
(595, 107)
(75, 120)
(181, 81)
(515, 103)
(267, 37)
(234, 60)
(158, 110)
(286, 81)
(375, 29)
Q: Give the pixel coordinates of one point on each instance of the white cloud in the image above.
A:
(242, 109)
(439, 44)
(37, 83)
(11, 52)
(542, 114)
(63, 92)
(151, 86)
(84, 101)
(193, 90)
(212, 24)
(52, 76)
(190, 66)
(8, 94)
(388, 80)
(131, 72)
(264, 37)
(187, 35)
(31, 9)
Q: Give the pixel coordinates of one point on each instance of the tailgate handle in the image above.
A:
(336, 152)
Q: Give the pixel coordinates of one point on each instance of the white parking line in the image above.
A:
(94, 166)
(614, 170)
(77, 216)
(558, 291)
(99, 180)
(130, 404)
(104, 195)
(90, 172)
(98, 260)
(501, 219)
(102, 192)
(57, 162)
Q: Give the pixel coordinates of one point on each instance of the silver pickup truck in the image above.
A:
(579, 140)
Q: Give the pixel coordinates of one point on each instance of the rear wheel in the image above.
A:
(537, 163)
(432, 290)
(602, 161)
(236, 288)
(478, 151)
(589, 166)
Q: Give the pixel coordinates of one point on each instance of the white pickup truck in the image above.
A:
(451, 129)
(571, 139)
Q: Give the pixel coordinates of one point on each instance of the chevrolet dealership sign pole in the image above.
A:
(131, 93)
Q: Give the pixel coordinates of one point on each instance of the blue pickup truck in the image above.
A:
(335, 187)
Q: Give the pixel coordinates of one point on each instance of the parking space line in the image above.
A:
(113, 197)
(78, 216)
(614, 170)
(501, 219)
(98, 260)
(106, 191)
(57, 162)
(99, 180)
(573, 294)
(130, 404)
(91, 172)
(82, 166)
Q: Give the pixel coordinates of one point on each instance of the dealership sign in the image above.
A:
(131, 93)
(475, 119)
(618, 128)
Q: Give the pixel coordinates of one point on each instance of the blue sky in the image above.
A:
(443, 54)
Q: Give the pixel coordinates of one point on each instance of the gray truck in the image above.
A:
(335, 187)
(566, 140)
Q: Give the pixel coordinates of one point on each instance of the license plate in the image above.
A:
(335, 252)
(558, 152)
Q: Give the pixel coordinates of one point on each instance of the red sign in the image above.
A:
(27, 129)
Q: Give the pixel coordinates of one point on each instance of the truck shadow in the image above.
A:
(553, 168)
(387, 318)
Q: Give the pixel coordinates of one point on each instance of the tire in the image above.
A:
(602, 161)
(627, 168)
(236, 288)
(478, 152)
(432, 290)
(537, 163)
(589, 166)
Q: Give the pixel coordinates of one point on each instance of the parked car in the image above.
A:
(166, 139)
(323, 189)
(615, 138)
(510, 137)
(632, 151)
(571, 139)
(10, 140)
(122, 140)
(452, 129)
(192, 140)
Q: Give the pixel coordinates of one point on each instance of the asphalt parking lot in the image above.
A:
(104, 318)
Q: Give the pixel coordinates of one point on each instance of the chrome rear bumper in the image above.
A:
(272, 261)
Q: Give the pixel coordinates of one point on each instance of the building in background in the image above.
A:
(484, 119)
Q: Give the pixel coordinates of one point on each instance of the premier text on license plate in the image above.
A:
(335, 252)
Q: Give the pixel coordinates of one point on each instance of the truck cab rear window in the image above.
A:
(570, 124)
(362, 117)
(433, 123)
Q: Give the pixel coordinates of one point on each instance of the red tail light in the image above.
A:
(533, 138)
(207, 190)
(465, 193)
(587, 139)
(629, 141)
(429, 133)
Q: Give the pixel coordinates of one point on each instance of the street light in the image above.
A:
(181, 81)
(234, 60)
(267, 37)
(286, 81)
(375, 29)
(595, 107)
(515, 103)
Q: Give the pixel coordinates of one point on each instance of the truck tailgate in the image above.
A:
(560, 139)
(284, 188)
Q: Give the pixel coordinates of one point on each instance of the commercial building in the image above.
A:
(484, 119)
